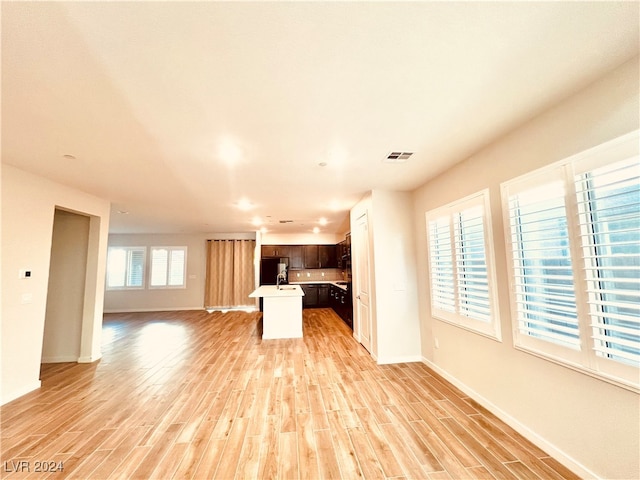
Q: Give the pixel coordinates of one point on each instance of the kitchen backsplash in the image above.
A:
(316, 274)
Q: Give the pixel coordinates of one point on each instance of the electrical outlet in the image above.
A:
(323, 274)
(436, 342)
(23, 273)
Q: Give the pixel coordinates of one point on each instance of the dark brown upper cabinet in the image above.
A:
(311, 259)
(327, 256)
(275, 250)
(296, 257)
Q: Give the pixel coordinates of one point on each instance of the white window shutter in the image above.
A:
(609, 208)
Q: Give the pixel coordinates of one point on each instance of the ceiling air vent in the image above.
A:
(397, 157)
(286, 221)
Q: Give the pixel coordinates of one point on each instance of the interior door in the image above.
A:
(362, 281)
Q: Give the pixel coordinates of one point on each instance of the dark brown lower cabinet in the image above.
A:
(323, 295)
(341, 302)
(318, 295)
(310, 299)
(315, 295)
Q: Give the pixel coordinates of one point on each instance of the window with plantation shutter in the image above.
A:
(609, 215)
(168, 267)
(442, 279)
(125, 267)
(461, 265)
(471, 264)
(543, 276)
(573, 247)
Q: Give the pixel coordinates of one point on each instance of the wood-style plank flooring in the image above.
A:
(198, 395)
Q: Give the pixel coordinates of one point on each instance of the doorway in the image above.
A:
(62, 339)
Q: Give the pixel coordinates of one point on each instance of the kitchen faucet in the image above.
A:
(282, 277)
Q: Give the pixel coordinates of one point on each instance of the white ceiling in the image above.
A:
(174, 111)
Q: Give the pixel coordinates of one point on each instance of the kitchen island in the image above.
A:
(282, 310)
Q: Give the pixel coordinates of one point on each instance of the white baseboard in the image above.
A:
(519, 427)
(90, 359)
(146, 310)
(6, 398)
(60, 359)
(406, 359)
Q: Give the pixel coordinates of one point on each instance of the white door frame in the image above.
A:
(363, 298)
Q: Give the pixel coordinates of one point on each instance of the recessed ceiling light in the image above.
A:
(244, 204)
(316, 230)
(322, 221)
(229, 151)
(263, 230)
(256, 221)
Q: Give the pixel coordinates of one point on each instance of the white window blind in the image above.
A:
(177, 267)
(461, 265)
(168, 266)
(573, 247)
(441, 255)
(471, 264)
(159, 259)
(543, 277)
(609, 208)
(125, 267)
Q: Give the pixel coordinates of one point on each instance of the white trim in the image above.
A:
(405, 359)
(143, 310)
(61, 359)
(245, 308)
(21, 392)
(566, 460)
(90, 359)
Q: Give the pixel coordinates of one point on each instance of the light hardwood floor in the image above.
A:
(197, 395)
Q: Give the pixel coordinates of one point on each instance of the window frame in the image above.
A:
(584, 359)
(171, 249)
(127, 249)
(492, 327)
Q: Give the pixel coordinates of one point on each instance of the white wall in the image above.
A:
(398, 325)
(591, 425)
(159, 299)
(394, 306)
(28, 204)
(1, 290)
(65, 296)
(301, 238)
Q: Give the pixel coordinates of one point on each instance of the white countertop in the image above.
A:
(326, 282)
(273, 291)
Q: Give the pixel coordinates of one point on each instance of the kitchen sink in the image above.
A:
(287, 288)
(341, 283)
